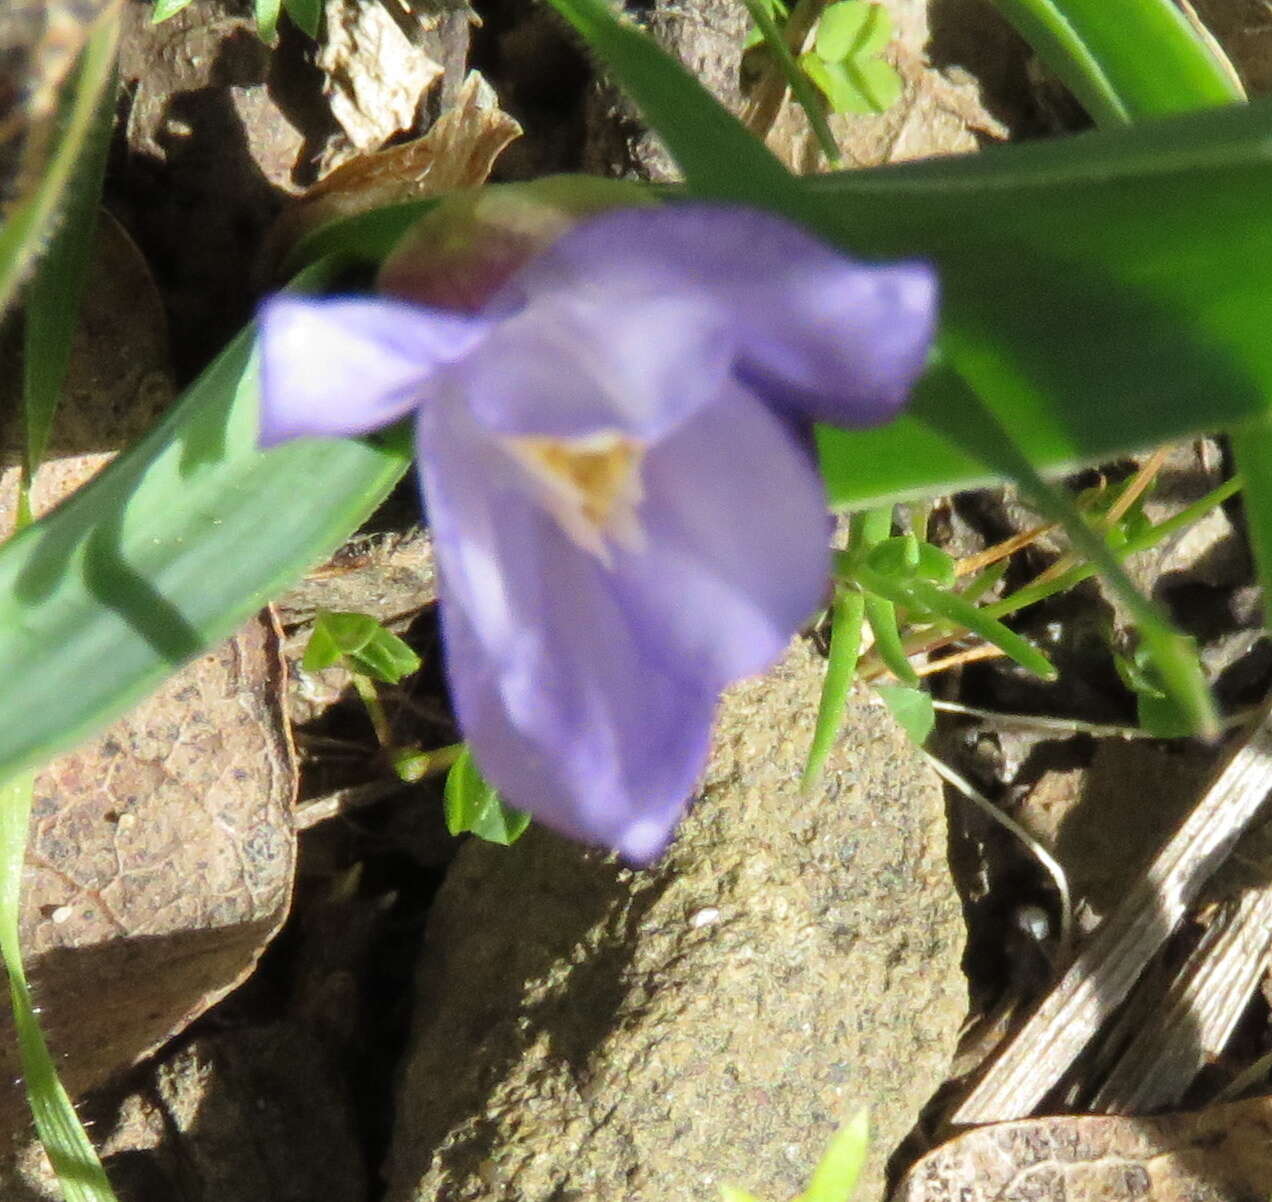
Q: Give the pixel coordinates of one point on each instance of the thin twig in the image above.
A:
(1035, 848)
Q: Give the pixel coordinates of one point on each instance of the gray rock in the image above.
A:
(236, 1116)
(585, 1031)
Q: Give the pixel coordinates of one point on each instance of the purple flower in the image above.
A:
(617, 469)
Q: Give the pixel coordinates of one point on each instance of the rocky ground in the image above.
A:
(449, 1020)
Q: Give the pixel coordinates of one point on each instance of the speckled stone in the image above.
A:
(584, 1031)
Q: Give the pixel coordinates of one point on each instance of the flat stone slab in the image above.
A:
(586, 1031)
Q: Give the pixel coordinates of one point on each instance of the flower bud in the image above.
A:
(460, 253)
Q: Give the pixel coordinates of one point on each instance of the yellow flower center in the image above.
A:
(591, 486)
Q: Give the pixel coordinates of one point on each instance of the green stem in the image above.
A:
(801, 86)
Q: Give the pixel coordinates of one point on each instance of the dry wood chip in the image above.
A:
(1177, 1035)
(1106, 969)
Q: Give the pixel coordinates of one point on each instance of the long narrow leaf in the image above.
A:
(882, 616)
(976, 428)
(1125, 60)
(68, 1148)
(1101, 293)
(24, 231)
(847, 614)
(181, 539)
(53, 299)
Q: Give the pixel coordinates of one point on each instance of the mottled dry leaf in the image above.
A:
(161, 853)
(458, 152)
(1222, 1154)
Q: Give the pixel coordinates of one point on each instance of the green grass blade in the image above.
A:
(716, 153)
(68, 1147)
(978, 430)
(23, 234)
(847, 612)
(1131, 59)
(956, 608)
(836, 1176)
(53, 299)
(165, 553)
(801, 86)
(882, 616)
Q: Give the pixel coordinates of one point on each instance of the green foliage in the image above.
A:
(844, 62)
(361, 644)
(847, 615)
(307, 14)
(164, 9)
(912, 708)
(836, 1176)
(1156, 712)
(73, 171)
(52, 305)
(177, 542)
(1136, 58)
(69, 1150)
(473, 806)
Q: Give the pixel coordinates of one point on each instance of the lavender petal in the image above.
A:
(819, 334)
(737, 543)
(568, 714)
(332, 367)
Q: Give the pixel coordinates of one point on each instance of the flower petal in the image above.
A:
(594, 360)
(736, 549)
(822, 335)
(350, 365)
(567, 713)
(620, 777)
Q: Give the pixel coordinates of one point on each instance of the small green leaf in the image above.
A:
(1157, 713)
(167, 8)
(877, 81)
(882, 616)
(307, 15)
(362, 644)
(912, 708)
(472, 805)
(1161, 717)
(906, 557)
(833, 82)
(956, 608)
(836, 1177)
(730, 1193)
(267, 20)
(846, 616)
(851, 29)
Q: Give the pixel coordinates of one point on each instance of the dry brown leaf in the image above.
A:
(377, 73)
(1221, 1154)
(161, 853)
(458, 152)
